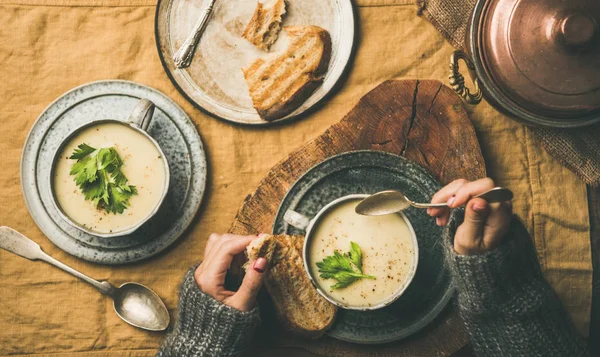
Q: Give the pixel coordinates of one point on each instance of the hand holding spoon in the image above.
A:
(387, 202)
(134, 303)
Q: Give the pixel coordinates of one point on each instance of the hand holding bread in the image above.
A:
(299, 306)
(220, 251)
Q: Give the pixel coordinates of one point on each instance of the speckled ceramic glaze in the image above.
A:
(170, 127)
(370, 172)
(309, 237)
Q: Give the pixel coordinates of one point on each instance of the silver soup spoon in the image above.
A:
(387, 202)
(134, 303)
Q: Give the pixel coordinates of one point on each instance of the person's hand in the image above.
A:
(210, 275)
(485, 224)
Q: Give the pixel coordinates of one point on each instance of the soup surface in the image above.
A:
(142, 165)
(387, 253)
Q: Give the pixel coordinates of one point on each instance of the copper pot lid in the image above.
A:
(543, 55)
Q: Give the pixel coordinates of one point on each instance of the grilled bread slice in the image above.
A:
(297, 303)
(280, 84)
(263, 29)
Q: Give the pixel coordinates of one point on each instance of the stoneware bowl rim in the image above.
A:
(392, 298)
(129, 230)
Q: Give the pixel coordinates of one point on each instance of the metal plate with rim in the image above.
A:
(371, 172)
(170, 127)
(214, 80)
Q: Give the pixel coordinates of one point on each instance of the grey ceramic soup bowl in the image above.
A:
(306, 224)
(139, 120)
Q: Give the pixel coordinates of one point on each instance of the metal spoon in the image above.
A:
(183, 57)
(387, 202)
(134, 303)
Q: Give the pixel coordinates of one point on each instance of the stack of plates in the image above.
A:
(171, 128)
(370, 172)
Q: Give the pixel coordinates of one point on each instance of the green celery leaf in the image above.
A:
(105, 158)
(129, 188)
(334, 263)
(100, 179)
(91, 169)
(119, 198)
(118, 177)
(344, 281)
(340, 267)
(82, 151)
(118, 161)
(85, 170)
(94, 190)
(78, 169)
(355, 255)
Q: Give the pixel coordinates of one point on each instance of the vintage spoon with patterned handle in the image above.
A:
(183, 57)
(387, 202)
(134, 303)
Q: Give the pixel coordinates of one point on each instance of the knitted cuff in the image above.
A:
(494, 281)
(206, 327)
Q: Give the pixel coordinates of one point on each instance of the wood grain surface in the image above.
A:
(423, 121)
(594, 207)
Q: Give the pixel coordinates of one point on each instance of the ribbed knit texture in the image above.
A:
(206, 327)
(506, 304)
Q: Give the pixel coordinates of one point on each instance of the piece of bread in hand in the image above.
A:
(280, 84)
(263, 29)
(298, 304)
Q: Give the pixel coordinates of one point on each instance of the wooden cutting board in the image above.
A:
(422, 120)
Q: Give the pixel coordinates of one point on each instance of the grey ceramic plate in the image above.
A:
(170, 127)
(214, 81)
(370, 172)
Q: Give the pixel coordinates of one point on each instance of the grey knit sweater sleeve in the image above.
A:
(508, 307)
(206, 327)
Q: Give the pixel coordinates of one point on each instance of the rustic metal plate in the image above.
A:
(214, 81)
(170, 127)
(370, 172)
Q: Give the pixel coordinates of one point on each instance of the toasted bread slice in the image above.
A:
(297, 303)
(263, 29)
(280, 84)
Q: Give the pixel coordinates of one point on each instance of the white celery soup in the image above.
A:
(141, 164)
(387, 254)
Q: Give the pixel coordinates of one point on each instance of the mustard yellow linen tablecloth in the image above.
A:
(50, 46)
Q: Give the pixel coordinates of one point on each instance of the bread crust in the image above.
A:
(298, 305)
(285, 102)
(265, 25)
